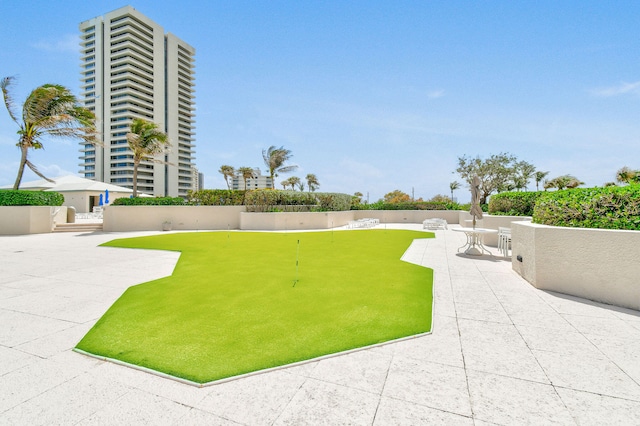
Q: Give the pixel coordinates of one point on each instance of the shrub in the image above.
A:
(416, 205)
(216, 197)
(30, 198)
(149, 201)
(607, 208)
(334, 202)
(514, 203)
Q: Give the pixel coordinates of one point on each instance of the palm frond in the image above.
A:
(8, 99)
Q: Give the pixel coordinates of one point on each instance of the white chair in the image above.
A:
(433, 224)
(504, 240)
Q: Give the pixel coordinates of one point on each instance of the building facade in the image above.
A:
(257, 181)
(131, 69)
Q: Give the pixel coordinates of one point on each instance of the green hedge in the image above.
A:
(607, 208)
(264, 200)
(216, 197)
(149, 201)
(417, 205)
(514, 203)
(30, 198)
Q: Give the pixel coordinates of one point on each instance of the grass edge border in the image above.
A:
(252, 373)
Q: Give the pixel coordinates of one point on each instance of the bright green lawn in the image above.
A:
(231, 306)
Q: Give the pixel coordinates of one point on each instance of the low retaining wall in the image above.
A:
(294, 221)
(21, 220)
(596, 264)
(407, 216)
(153, 218)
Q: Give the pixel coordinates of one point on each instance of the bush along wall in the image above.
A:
(607, 208)
(514, 203)
(216, 197)
(416, 205)
(149, 201)
(30, 198)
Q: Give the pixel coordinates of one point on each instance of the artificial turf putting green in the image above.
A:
(231, 306)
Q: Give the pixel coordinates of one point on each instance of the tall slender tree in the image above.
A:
(228, 172)
(275, 159)
(453, 186)
(146, 141)
(50, 110)
(539, 177)
(246, 173)
(312, 182)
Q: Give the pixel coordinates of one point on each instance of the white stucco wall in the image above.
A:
(596, 264)
(151, 218)
(294, 221)
(408, 216)
(21, 220)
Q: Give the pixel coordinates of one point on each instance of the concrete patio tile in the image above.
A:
(442, 346)
(57, 342)
(396, 412)
(13, 359)
(549, 321)
(565, 304)
(510, 401)
(9, 292)
(610, 327)
(438, 386)
(320, 403)
(67, 403)
(364, 370)
(473, 311)
(624, 352)
(137, 407)
(20, 327)
(592, 409)
(196, 417)
(567, 343)
(499, 349)
(629, 315)
(600, 376)
(173, 390)
(25, 383)
(256, 399)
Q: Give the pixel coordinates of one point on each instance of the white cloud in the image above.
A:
(621, 89)
(67, 43)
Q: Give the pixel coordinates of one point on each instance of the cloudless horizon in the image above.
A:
(370, 96)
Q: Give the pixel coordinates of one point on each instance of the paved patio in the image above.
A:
(501, 351)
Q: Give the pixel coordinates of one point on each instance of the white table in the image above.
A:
(475, 236)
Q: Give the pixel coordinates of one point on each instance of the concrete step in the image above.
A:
(78, 227)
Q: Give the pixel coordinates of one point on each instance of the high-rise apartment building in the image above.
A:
(132, 69)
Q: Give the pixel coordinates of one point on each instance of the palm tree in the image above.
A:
(246, 173)
(312, 182)
(145, 141)
(228, 172)
(294, 181)
(539, 176)
(49, 110)
(563, 182)
(626, 175)
(523, 173)
(453, 186)
(274, 158)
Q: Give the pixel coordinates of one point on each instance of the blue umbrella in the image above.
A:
(100, 203)
(106, 196)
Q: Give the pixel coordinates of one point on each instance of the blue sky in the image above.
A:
(372, 96)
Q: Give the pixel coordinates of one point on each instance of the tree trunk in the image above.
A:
(23, 162)
(135, 178)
